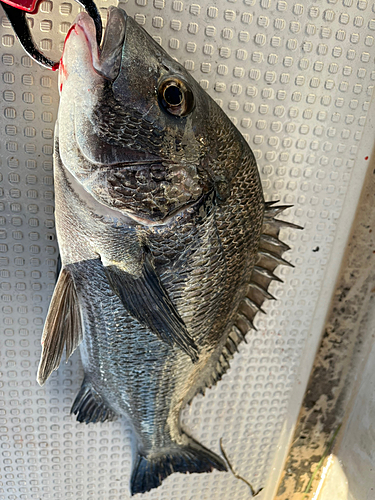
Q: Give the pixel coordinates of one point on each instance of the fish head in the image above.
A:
(135, 128)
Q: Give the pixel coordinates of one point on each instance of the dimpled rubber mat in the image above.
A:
(296, 78)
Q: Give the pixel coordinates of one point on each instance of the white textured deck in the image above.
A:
(296, 78)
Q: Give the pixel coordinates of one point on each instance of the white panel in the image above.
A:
(296, 78)
(353, 465)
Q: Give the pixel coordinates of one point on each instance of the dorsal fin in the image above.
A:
(270, 253)
(62, 328)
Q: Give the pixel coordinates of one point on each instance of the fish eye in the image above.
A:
(176, 97)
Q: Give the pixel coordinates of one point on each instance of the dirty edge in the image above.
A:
(345, 343)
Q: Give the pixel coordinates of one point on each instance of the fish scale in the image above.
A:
(200, 292)
(163, 281)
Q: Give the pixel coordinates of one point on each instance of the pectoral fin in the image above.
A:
(146, 299)
(62, 327)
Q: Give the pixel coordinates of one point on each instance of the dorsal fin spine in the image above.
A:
(269, 258)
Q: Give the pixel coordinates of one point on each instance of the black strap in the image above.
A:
(17, 19)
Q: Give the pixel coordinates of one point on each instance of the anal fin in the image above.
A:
(145, 298)
(90, 407)
(62, 327)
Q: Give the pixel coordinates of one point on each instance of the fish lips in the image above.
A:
(111, 49)
(106, 59)
(86, 64)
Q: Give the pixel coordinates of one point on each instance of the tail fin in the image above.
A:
(149, 471)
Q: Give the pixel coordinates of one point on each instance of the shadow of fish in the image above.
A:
(167, 245)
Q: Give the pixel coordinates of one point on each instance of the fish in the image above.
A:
(167, 245)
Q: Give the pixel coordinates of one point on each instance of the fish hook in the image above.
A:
(16, 12)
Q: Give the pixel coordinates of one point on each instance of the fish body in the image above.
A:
(160, 216)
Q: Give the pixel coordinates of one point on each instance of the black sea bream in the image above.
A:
(167, 245)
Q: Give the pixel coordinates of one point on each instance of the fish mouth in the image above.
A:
(106, 59)
(85, 60)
